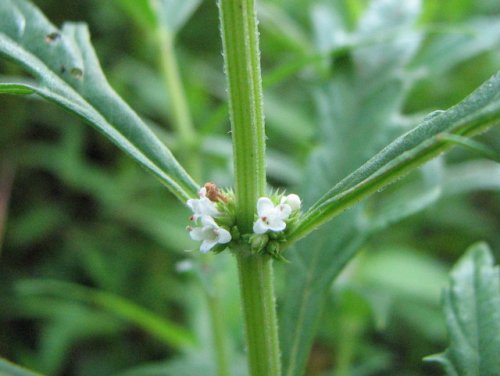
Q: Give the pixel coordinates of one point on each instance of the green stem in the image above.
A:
(218, 331)
(181, 117)
(259, 312)
(241, 55)
(242, 65)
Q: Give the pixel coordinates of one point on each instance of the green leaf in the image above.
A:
(67, 72)
(10, 369)
(453, 46)
(461, 178)
(360, 112)
(354, 106)
(409, 199)
(474, 114)
(479, 148)
(168, 332)
(472, 310)
(16, 89)
(472, 175)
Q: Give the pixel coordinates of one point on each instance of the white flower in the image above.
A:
(271, 217)
(202, 206)
(293, 200)
(210, 234)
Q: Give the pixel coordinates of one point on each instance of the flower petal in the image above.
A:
(223, 236)
(192, 204)
(208, 221)
(264, 206)
(260, 227)
(284, 211)
(207, 245)
(197, 234)
(276, 225)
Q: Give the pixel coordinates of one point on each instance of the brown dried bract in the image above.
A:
(214, 193)
(52, 37)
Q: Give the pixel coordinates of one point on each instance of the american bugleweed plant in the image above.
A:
(256, 225)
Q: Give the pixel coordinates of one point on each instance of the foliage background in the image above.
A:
(81, 212)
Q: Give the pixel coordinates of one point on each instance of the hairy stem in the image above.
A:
(242, 65)
(259, 311)
(241, 55)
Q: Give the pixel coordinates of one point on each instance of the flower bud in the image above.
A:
(293, 201)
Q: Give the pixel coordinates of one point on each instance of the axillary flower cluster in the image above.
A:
(214, 224)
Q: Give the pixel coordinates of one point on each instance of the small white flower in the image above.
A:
(202, 206)
(271, 217)
(210, 234)
(293, 200)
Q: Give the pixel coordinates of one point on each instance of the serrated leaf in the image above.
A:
(67, 72)
(10, 369)
(472, 310)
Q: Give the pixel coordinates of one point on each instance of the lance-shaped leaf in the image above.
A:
(472, 311)
(66, 71)
(474, 114)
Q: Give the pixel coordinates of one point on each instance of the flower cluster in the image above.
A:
(209, 232)
(273, 218)
(214, 221)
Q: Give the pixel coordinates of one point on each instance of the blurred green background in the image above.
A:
(93, 271)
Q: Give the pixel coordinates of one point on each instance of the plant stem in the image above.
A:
(242, 65)
(241, 55)
(259, 312)
(218, 330)
(181, 117)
